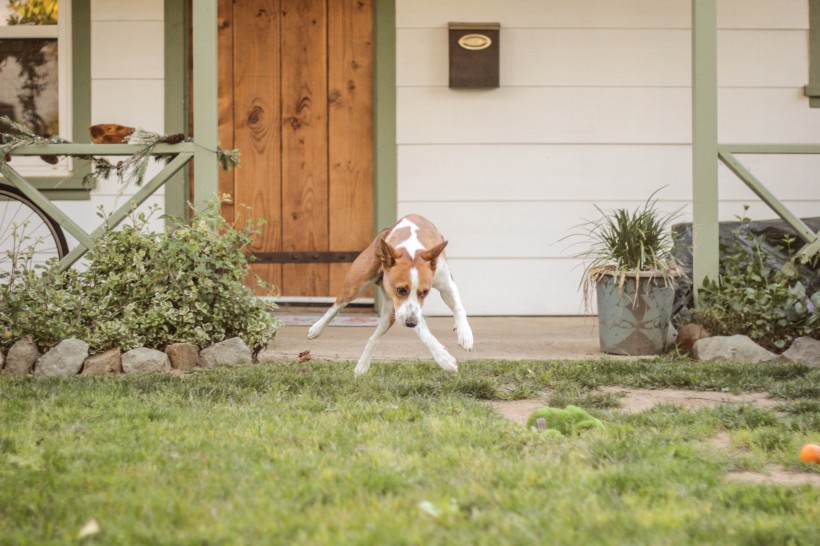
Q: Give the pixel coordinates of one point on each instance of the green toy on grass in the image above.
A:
(569, 421)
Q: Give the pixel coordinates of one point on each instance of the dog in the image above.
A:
(405, 261)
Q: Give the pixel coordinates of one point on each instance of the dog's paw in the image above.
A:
(465, 336)
(316, 330)
(446, 361)
(361, 368)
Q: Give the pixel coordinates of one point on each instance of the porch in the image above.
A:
(497, 338)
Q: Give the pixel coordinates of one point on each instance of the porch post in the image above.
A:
(705, 253)
(206, 173)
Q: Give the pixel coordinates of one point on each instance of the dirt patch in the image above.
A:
(638, 400)
(517, 411)
(777, 476)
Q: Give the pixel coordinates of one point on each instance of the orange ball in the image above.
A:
(810, 453)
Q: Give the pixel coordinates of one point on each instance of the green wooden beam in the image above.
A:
(705, 251)
(812, 248)
(106, 149)
(145, 191)
(205, 101)
(812, 90)
(43, 202)
(176, 96)
(386, 167)
(806, 149)
(80, 71)
(767, 197)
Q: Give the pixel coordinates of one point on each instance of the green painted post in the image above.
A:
(176, 97)
(704, 143)
(384, 138)
(385, 114)
(205, 101)
(812, 90)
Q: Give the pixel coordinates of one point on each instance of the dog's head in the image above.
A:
(408, 279)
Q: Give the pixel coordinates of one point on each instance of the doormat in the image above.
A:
(341, 320)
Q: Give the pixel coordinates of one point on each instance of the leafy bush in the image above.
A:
(755, 297)
(143, 288)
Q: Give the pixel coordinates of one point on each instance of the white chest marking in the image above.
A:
(412, 243)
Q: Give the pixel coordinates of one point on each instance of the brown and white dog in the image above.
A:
(406, 260)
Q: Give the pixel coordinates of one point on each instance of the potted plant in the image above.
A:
(628, 263)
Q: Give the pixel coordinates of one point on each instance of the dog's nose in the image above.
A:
(411, 322)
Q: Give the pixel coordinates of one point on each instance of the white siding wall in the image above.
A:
(127, 87)
(594, 108)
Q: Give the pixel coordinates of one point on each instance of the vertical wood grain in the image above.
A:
(350, 129)
(296, 79)
(304, 143)
(257, 114)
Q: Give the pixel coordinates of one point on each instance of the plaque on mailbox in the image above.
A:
(474, 57)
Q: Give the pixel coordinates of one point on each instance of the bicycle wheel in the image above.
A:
(26, 232)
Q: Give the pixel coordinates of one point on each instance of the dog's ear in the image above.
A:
(387, 254)
(433, 254)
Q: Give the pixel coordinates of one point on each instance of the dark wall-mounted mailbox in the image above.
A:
(474, 54)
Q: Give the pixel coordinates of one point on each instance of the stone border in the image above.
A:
(70, 357)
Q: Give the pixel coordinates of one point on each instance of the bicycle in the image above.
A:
(26, 231)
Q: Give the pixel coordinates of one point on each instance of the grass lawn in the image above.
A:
(305, 454)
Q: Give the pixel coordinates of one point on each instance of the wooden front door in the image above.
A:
(296, 98)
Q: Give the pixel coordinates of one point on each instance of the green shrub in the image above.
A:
(755, 297)
(143, 288)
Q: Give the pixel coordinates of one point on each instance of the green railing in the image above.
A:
(201, 152)
(183, 153)
(726, 154)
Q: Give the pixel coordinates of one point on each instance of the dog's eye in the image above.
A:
(401, 291)
(423, 293)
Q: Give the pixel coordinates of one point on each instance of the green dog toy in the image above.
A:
(569, 421)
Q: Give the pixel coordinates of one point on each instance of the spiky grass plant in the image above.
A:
(627, 244)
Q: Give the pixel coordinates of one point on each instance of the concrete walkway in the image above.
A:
(496, 338)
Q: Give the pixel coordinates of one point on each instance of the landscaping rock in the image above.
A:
(804, 350)
(22, 356)
(103, 363)
(231, 352)
(143, 359)
(184, 356)
(63, 360)
(688, 335)
(731, 348)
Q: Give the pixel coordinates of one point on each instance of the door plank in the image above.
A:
(304, 143)
(257, 114)
(350, 128)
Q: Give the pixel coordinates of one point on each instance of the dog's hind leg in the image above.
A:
(363, 273)
(341, 302)
(386, 320)
(439, 351)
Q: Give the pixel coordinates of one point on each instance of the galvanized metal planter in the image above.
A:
(634, 326)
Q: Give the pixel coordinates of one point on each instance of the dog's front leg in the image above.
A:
(446, 286)
(386, 320)
(439, 351)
